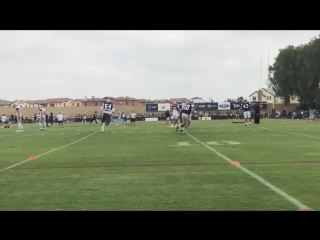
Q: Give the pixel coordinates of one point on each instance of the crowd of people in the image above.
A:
(6, 120)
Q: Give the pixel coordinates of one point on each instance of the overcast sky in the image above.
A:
(141, 64)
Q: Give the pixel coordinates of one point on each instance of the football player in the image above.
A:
(175, 114)
(42, 118)
(108, 109)
(245, 106)
(186, 112)
(19, 117)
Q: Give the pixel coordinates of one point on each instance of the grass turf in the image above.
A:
(143, 168)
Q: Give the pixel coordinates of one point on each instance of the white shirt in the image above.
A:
(132, 115)
(60, 117)
(4, 118)
(18, 112)
(42, 113)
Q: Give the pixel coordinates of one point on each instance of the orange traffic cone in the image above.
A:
(235, 163)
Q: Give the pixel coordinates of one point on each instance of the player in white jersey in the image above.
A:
(4, 122)
(108, 109)
(19, 118)
(60, 120)
(84, 117)
(42, 118)
(3, 119)
(119, 117)
(133, 118)
(175, 114)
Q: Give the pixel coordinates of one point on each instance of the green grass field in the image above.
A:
(145, 168)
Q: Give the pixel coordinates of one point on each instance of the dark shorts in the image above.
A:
(132, 120)
(59, 122)
(106, 118)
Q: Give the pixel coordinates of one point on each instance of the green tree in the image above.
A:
(296, 72)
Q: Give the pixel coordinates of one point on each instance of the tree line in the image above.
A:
(296, 72)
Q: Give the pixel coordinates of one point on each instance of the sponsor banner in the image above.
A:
(162, 107)
(152, 107)
(204, 118)
(224, 106)
(180, 105)
(236, 105)
(206, 106)
(151, 119)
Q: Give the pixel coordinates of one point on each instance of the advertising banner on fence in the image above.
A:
(236, 105)
(152, 107)
(180, 105)
(224, 106)
(151, 119)
(162, 107)
(204, 118)
(206, 106)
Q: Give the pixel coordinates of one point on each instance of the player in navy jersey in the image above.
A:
(245, 106)
(108, 109)
(186, 112)
(94, 118)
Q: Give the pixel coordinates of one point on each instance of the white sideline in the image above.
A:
(53, 150)
(255, 176)
(298, 134)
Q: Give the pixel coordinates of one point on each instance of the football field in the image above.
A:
(152, 167)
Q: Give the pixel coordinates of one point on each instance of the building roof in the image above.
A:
(57, 100)
(252, 93)
(161, 100)
(269, 91)
(40, 101)
(96, 100)
(178, 100)
(4, 102)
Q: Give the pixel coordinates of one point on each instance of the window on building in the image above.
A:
(269, 98)
(254, 98)
(293, 98)
(77, 104)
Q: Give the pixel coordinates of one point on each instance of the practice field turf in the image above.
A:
(152, 167)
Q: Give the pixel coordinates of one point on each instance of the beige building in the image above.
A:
(23, 103)
(59, 102)
(4, 103)
(269, 96)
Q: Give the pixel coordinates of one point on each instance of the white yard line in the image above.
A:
(298, 134)
(253, 175)
(43, 154)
